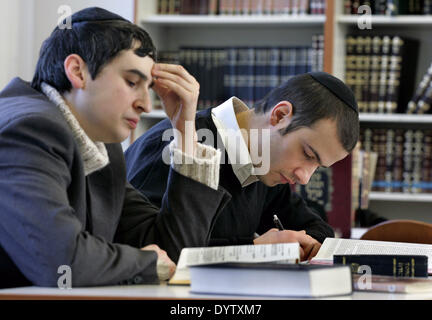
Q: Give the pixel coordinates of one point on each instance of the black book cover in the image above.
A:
(390, 265)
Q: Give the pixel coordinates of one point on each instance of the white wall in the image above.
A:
(25, 24)
(16, 38)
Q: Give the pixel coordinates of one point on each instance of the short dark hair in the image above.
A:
(96, 42)
(311, 102)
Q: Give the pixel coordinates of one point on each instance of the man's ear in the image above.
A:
(281, 113)
(76, 71)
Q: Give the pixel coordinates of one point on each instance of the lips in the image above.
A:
(132, 123)
(286, 180)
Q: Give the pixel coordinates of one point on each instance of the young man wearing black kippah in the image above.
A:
(307, 122)
(65, 198)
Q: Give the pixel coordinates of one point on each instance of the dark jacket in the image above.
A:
(251, 208)
(51, 214)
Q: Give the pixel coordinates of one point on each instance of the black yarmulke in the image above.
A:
(337, 87)
(95, 14)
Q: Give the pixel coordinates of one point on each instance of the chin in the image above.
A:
(267, 181)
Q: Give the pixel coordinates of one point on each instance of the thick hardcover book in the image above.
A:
(333, 246)
(387, 265)
(408, 57)
(276, 252)
(391, 284)
(271, 279)
(330, 188)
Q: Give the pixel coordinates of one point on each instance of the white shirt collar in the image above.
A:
(224, 118)
(94, 154)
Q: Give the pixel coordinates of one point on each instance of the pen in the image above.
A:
(277, 223)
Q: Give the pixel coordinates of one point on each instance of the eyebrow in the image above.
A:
(316, 155)
(141, 75)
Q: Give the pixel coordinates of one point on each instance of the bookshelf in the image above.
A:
(170, 32)
(391, 205)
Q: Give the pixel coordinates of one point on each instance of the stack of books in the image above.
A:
(404, 159)
(340, 266)
(241, 7)
(390, 7)
(381, 71)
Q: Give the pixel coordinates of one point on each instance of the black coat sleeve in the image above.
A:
(187, 216)
(39, 229)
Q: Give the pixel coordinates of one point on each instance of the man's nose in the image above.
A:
(304, 173)
(142, 105)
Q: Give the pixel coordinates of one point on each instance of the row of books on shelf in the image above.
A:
(381, 71)
(241, 7)
(340, 266)
(404, 162)
(390, 7)
(245, 72)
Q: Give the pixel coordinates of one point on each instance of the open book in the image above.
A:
(278, 252)
(332, 246)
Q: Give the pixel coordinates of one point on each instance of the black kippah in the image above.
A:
(95, 14)
(337, 87)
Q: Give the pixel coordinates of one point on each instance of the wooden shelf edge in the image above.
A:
(396, 117)
(398, 196)
(235, 19)
(392, 20)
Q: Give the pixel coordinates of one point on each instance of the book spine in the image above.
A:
(366, 74)
(260, 73)
(425, 101)
(222, 62)
(394, 74)
(424, 84)
(387, 265)
(230, 80)
(417, 162)
(379, 137)
(382, 93)
(389, 159)
(359, 73)
(350, 63)
(408, 166)
(427, 162)
(273, 72)
(245, 75)
(213, 7)
(355, 5)
(206, 73)
(398, 161)
(347, 7)
(301, 63)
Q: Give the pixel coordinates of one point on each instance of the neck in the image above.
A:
(69, 99)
